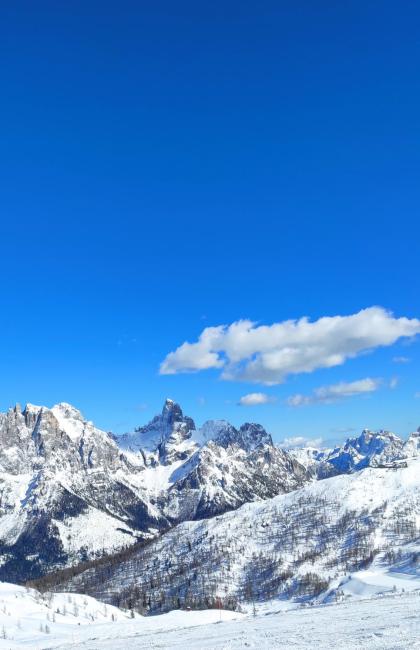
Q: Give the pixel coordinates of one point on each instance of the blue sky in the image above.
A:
(170, 167)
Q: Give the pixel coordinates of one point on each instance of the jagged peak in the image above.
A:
(369, 439)
(171, 411)
(213, 430)
(249, 436)
(67, 410)
(64, 408)
(32, 408)
(254, 435)
(385, 433)
(170, 423)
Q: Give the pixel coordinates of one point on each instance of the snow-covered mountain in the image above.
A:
(70, 491)
(354, 533)
(202, 473)
(370, 449)
(166, 438)
(67, 491)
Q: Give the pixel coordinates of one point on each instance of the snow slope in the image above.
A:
(382, 624)
(379, 623)
(29, 619)
(298, 546)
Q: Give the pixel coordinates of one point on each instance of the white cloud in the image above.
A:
(394, 382)
(299, 400)
(301, 441)
(267, 354)
(255, 399)
(335, 392)
(401, 359)
(190, 357)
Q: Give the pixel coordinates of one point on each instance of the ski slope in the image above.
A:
(383, 622)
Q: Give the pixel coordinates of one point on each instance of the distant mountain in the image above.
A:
(370, 449)
(70, 491)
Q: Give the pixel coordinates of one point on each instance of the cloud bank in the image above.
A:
(267, 354)
(301, 441)
(335, 392)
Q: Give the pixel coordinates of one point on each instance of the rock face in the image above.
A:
(70, 491)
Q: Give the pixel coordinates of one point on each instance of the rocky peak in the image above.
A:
(378, 447)
(172, 416)
(171, 411)
(249, 437)
(67, 411)
(371, 448)
(254, 436)
(31, 413)
(219, 431)
(412, 446)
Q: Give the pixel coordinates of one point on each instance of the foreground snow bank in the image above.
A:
(29, 619)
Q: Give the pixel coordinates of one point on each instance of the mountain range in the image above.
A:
(71, 492)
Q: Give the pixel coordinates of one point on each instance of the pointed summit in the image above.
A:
(171, 411)
(171, 415)
(171, 425)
